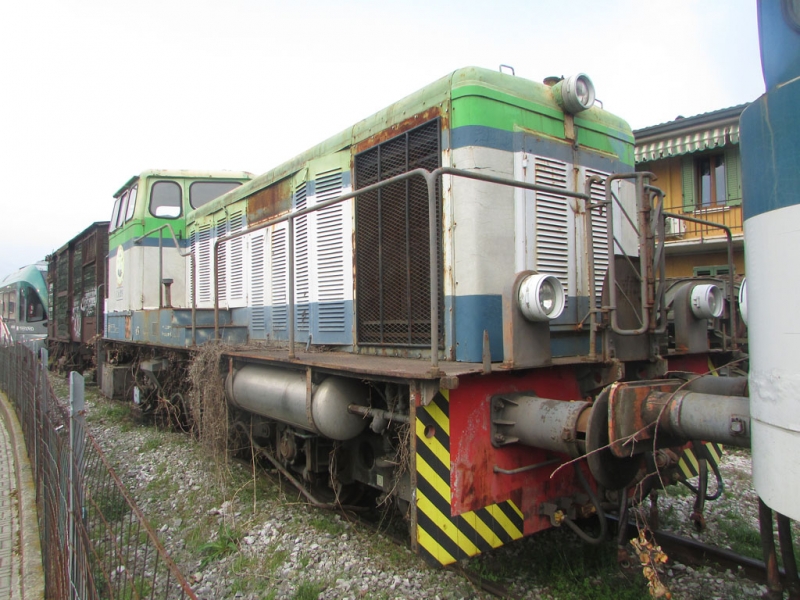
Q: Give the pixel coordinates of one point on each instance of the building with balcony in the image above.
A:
(697, 165)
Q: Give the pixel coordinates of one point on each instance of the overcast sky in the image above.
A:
(94, 92)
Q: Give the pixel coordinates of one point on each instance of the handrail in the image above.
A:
(731, 280)
(431, 178)
(645, 237)
(182, 254)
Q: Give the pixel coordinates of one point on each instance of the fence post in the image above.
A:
(76, 405)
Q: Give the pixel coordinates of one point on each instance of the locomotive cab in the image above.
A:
(147, 241)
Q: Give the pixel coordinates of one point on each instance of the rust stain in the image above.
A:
(270, 201)
(127, 327)
(402, 127)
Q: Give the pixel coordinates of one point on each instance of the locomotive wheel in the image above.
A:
(611, 472)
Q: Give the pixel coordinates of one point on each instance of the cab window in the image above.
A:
(165, 200)
(131, 203)
(123, 209)
(112, 225)
(203, 192)
(32, 305)
(11, 306)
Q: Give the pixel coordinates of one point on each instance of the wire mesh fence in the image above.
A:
(96, 543)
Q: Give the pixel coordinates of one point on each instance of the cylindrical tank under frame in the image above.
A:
(291, 397)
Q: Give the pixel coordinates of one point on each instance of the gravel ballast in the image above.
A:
(280, 547)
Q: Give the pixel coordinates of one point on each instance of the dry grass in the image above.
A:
(207, 405)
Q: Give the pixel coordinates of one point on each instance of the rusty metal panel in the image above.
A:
(270, 201)
(76, 272)
(402, 127)
(392, 241)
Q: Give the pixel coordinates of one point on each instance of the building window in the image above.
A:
(711, 180)
(712, 271)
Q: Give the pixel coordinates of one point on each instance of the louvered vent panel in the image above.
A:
(220, 230)
(552, 242)
(599, 234)
(302, 299)
(330, 254)
(278, 276)
(204, 266)
(236, 222)
(392, 250)
(257, 281)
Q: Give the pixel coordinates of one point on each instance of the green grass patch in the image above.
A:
(741, 538)
(326, 523)
(227, 542)
(308, 591)
(569, 569)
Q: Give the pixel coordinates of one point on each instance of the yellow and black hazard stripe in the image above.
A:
(688, 460)
(441, 537)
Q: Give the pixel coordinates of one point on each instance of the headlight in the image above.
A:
(541, 297)
(743, 300)
(577, 93)
(707, 301)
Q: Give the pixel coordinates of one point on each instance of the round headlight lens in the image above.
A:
(547, 297)
(707, 301)
(577, 93)
(541, 297)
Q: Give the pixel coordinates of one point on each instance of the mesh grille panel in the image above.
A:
(392, 252)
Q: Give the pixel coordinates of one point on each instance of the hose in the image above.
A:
(598, 508)
(717, 474)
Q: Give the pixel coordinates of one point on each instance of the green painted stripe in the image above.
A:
(546, 105)
(136, 228)
(492, 108)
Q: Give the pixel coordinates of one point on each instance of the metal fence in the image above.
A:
(96, 543)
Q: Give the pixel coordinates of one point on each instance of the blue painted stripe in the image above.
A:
(474, 314)
(521, 141)
(770, 147)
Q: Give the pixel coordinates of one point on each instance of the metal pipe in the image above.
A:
(526, 468)
(430, 179)
(643, 260)
(787, 554)
(182, 254)
(299, 213)
(590, 265)
(774, 587)
(695, 416)
(290, 277)
(731, 279)
(724, 386)
(369, 412)
(160, 265)
(300, 487)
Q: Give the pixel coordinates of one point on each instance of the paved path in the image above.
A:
(21, 575)
(10, 560)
